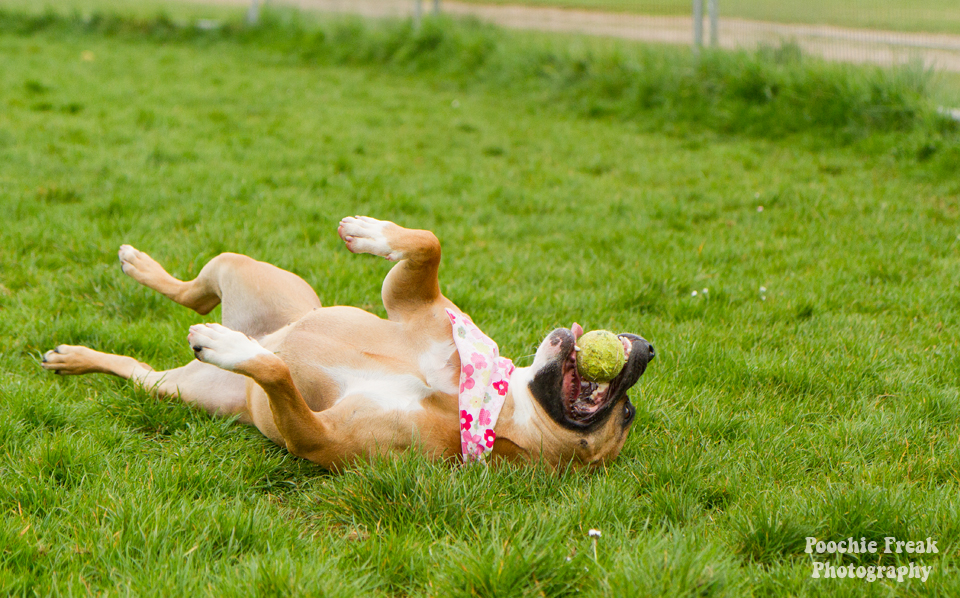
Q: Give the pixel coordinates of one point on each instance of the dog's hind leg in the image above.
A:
(214, 390)
(257, 298)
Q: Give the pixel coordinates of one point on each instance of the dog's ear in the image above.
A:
(507, 449)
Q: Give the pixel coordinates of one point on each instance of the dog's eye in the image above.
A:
(628, 412)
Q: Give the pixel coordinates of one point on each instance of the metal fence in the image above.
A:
(884, 32)
(865, 34)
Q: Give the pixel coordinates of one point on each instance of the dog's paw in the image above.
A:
(223, 347)
(69, 360)
(138, 265)
(367, 235)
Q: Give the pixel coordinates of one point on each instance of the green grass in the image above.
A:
(825, 405)
(180, 9)
(771, 93)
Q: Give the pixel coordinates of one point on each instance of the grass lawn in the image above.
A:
(802, 295)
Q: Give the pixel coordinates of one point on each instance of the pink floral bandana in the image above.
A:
(484, 381)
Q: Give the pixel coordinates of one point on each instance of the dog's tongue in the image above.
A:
(577, 331)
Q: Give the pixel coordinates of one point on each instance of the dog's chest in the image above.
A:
(436, 372)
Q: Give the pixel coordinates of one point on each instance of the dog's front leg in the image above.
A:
(306, 433)
(413, 282)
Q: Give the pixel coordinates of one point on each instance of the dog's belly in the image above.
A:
(339, 352)
(389, 383)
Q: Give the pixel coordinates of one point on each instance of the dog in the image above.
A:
(337, 384)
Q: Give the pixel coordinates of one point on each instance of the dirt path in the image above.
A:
(939, 51)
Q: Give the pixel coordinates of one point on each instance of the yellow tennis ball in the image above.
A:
(601, 356)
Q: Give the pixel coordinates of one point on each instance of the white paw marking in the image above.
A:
(138, 265)
(222, 347)
(62, 360)
(363, 234)
(127, 254)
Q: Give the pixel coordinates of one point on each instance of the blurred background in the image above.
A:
(923, 34)
(868, 31)
(883, 32)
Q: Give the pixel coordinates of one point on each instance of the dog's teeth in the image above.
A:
(600, 391)
(576, 348)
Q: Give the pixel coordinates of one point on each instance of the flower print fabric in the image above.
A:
(484, 382)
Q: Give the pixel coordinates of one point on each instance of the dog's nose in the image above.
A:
(650, 352)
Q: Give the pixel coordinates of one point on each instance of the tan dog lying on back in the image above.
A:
(331, 384)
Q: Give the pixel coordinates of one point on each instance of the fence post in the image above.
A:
(436, 7)
(253, 13)
(697, 26)
(417, 13)
(714, 13)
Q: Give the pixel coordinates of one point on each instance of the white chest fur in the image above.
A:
(522, 399)
(400, 392)
(437, 370)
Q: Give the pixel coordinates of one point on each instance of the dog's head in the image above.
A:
(571, 418)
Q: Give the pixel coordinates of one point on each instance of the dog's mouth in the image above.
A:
(583, 399)
(571, 400)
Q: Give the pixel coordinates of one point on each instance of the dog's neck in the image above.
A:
(522, 429)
